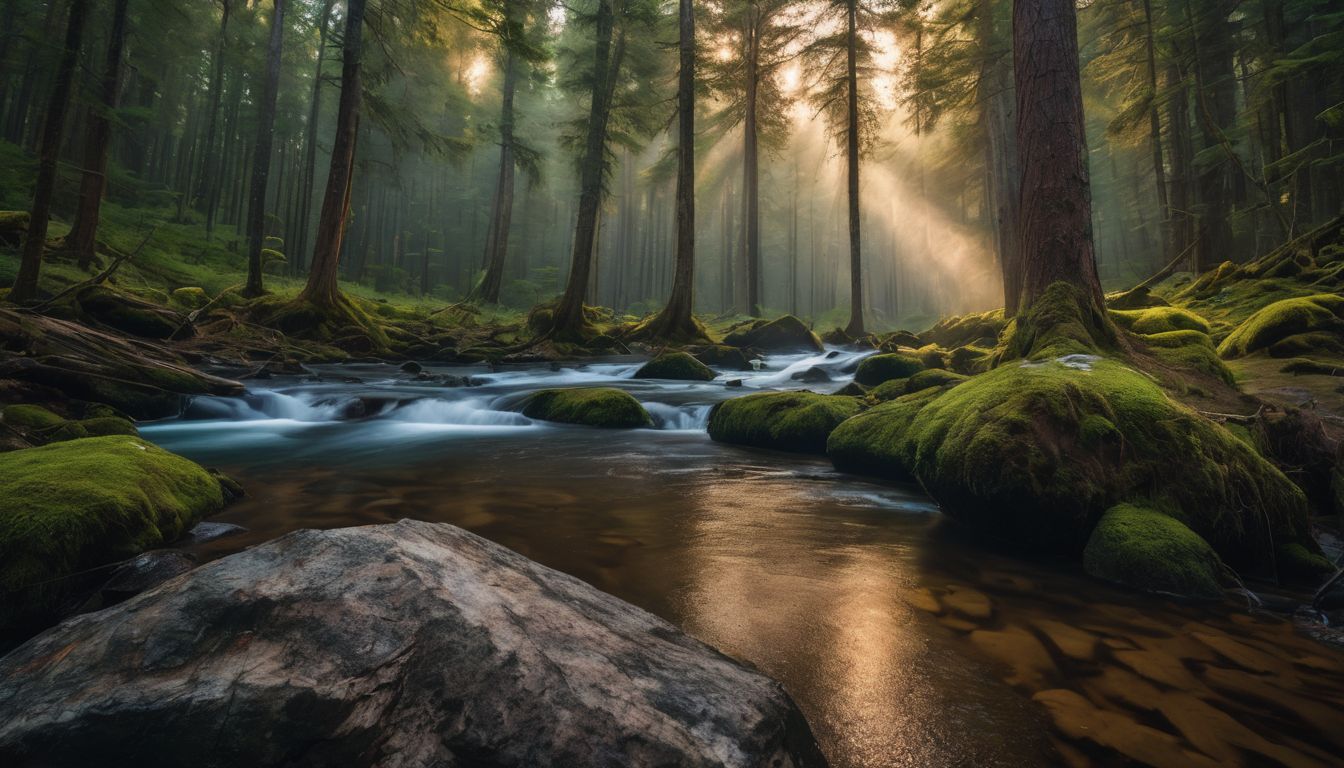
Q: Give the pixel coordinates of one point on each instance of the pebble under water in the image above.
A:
(904, 643)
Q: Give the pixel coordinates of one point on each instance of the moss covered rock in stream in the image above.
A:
(1152, 552)
(783, 334)
(879, 368)
(675, 365)
(1322, 313)
(594, 407)
(72, 506)
(1034, 451)
(785, 421)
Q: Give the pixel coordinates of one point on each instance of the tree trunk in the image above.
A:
(855, 327)
(83, 234)
(1215, 113)
(300, 248)
(677, 320)
(261, 158)
(1055, 221)
(569, 317)
(25, 284)
(322, 285)
(497, 241)
(751, 174)
(207, 194)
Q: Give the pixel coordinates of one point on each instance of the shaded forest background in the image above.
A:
(1215, 132)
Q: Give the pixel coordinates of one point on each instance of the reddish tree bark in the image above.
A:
(1055, 218)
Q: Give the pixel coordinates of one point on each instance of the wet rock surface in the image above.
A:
(404, 644)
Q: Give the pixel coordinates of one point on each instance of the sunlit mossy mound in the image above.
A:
(679, 366)
(886, 367)
(1153, 552)
(785, 421)
(1159, 320)
(1292, 324)
(1033, 452)
(593, 407)
(71, 506)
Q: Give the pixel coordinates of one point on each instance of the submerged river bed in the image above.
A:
(904, 643)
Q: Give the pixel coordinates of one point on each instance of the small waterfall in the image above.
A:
(267, 404)
(474, 411)
(678, 417)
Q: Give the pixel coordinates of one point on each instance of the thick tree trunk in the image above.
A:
(83, 235)
(207, 192)
(1215, 113)
(322, 285)
(53, 128)
(855, 327)
(300, 249)
(607, 58)
(497, 241)
(677, 320)
(1055, 222)
(261, 158)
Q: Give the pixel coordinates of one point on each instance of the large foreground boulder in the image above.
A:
(411, 644)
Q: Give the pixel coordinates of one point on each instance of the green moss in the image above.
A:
(879, 368)
(1152, 552)
(1315, 343)
(722, 356)
(1289, 317)
(977, 328)
(27, 417)
(594, 407)
(1198, 356)
(1159, 320)
(675, 365)
(72, 506)
(126, 313)
(888, 390)
(934, 377)
(783, 334)
(1299, 564)
(970, 360)
(786, 421)
(1021, 453)
(1060, 322)
(1175, 339)
(188, 299)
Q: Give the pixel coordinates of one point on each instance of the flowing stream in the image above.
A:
(904, 643)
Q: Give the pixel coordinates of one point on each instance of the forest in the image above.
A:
(648, 382)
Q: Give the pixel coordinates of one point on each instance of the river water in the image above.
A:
(904, 643)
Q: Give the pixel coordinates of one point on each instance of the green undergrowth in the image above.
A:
(72, 506)
(606, 407)
(786, 421)
(1281, 321)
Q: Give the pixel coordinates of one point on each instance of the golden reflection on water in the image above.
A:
(904, 645)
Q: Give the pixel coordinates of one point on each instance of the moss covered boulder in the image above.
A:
(1159, 320)
(71, 506)
(783, 334)
(40, 426)
(594, 407)
(1152, 552)
(1322, 313)
(188, 299)
(675, 365)
(722, 356)
(1033, 452)
(786, 421)
(933, 377)
(879, 368)
(13, 228)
